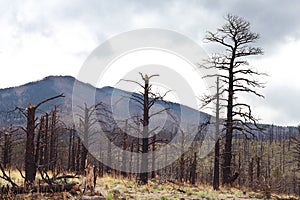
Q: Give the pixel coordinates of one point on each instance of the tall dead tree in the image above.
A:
(29, 113)
(216, 179)
(53, 139)
(72, 149)
(7, 146)
(45, 149)
(147, 100)
(124, 146)
(87, 120)
(235, 36)
(38, 150)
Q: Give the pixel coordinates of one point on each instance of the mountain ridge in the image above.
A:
(36, 91)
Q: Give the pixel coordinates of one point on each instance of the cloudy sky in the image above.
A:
(41, 38)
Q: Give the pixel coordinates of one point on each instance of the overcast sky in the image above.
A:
(41, 38)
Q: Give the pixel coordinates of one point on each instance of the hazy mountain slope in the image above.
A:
(35, 92)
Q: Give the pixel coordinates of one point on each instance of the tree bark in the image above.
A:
(30, 167)
(216, 178)
(145, 140)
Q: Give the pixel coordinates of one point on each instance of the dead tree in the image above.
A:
(206, 100)
(181, 161)
(7, 146)
(29, 113)
(235, 36)
(38, 150)
(45, 143)
(216, 179)
(72, 149)
(147, 100)
(87, 120)
(53, 139)
(124, 146)
(110, 129)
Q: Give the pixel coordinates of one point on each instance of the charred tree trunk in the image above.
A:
(53, 140)
(30, 166)
(137, 156)
(250, 172)
(181, 161)
(46, 142)
(124, 146)
(78, 154)
(216, 178)
(228, 137)
(153, 157)
(6, 159)
(131, 160)
(124, 157)
(193, 169)
(73, 150)
(108, 167)
(38, 142)
(85, 144)
(145, 140)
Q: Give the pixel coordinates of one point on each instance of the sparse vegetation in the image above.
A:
(47, 157)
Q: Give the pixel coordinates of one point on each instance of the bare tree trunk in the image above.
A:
(131, 160)
(73, 150)
(153, 157)
(78, 153)
(145, 140)
(124, 158)
(193, 169)
(38, 142)
(109, 159)
(53, 138)
(70, 148)
(227, 156)
(6, 150)
(217, 145)
(6, 159)
(250, 172)
(46, 150)
(138, 155)
(85, 142)
(181, 161)
(30, 166)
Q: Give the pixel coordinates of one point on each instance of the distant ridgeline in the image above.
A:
(34, 92)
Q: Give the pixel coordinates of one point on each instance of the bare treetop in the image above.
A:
(236, 36)
(146, 78)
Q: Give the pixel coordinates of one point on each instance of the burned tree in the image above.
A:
(235, 36)
(7, 145)
(53, 139)
(72, 149)
(216, 179)
(87, 120)
(29, 113)
(146, 101)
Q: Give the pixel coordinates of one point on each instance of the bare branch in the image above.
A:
(49, 99)
(6, 177)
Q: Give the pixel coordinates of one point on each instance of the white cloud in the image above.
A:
(41, 38)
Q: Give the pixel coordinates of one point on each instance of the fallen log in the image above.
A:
(38, 188)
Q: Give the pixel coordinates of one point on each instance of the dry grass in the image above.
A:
(123, 188)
